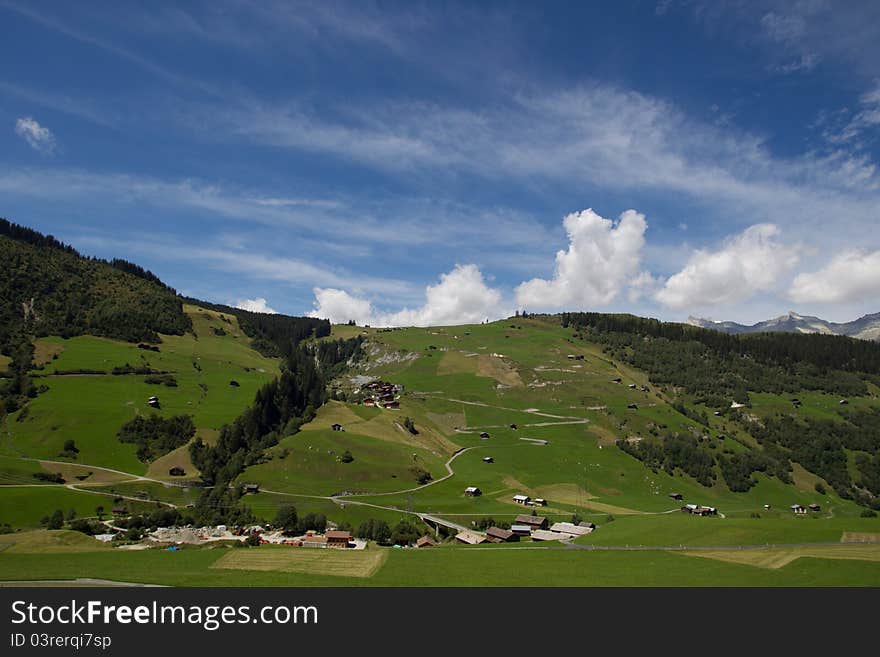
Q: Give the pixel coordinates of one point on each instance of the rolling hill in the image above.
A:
(614, 419)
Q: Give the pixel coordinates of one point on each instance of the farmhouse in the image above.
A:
(313, 540)
(336, 538)
(544, 535)
(393, 405)
(540, 501)
(798, 509)
(498, 535)
(699, 510)
(521, 530)
(522, 499)
(472, 491)
(570, 529)
(471, 538)
(535, 522)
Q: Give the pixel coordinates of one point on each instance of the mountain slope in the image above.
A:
(47, 288)
(864, 328)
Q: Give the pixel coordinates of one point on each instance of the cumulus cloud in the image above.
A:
(38, 137)
(852, 275)
(747, 263)
(461, 297)
(601, 259)
(258, 305)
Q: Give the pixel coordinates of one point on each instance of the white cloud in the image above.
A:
(461, 297)
(258, 305)
(38, 137)
(602, 257)
(748, 263)
(853, 275)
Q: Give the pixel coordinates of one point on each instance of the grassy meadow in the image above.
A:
(458, 382)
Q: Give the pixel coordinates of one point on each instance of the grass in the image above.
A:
(90, 408)
(313, 561)
(49, 542)
(776, 558)
(447, 566)
(25, 507)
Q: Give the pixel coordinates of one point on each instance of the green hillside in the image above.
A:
(609, 418)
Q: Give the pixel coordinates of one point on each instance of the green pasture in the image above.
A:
(90, 408)
(444, 566)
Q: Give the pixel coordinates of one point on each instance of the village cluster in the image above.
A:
(536, 527)
(381, 394)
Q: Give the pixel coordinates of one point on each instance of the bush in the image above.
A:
(868, 513)
(346, 457)
(155, 435)
(51, 477)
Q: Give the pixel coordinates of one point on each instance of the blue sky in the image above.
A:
(409, 163)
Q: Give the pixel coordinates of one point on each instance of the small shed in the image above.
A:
(545, 535)
(521, 530)
(814, 507)
(426, 541)
(798, 509)
(488, 459)
(472, 491)
(632, 407)
(251, 488)
(521, 499)
(176, 471)
(513, 426)
(337, 427)
(676, 496)
(540, 501)
(484, 435)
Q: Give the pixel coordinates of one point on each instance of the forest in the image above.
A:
(717, 368)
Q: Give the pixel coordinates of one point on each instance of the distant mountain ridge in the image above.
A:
(863, 328)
